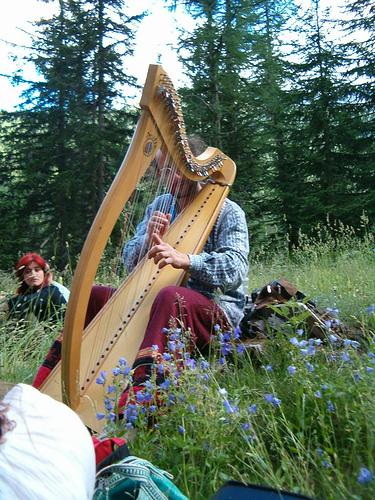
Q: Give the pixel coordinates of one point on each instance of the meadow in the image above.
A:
(299, 416)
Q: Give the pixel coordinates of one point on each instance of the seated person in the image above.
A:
(214, 293)
(45, 450)
(37, 292)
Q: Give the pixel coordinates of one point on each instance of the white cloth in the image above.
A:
(65, 292)
(49, 454)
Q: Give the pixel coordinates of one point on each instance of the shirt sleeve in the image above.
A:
(226, 266)
(136, 248)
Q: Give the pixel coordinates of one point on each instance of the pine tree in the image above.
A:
(72, 132)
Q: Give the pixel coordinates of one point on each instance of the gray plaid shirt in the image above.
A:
(220, 271)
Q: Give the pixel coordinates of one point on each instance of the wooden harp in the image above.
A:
(119, 327)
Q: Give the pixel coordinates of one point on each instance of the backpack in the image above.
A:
(261, 315)
(135, 478)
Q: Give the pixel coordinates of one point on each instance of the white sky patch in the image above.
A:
(156, 36)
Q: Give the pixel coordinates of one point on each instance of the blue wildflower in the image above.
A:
(364, 475)
(167, 356)
(311, 350)
(100, 416)
(222, 391)
(140, 397)
(345, 357)
(217, 328)
(172, 345)
(246, 426)
(204, 364)
(122, 362)
(319, 452)
(270, 398)
(160, 369)
(252, 408)
(237, 333)
(125, 371)
(149, 385)
(226, 348)
(369, 369)
(240, 349)
(371, 309)
(330, 407)
(190, 363)
(268, 368)
(226, 336)
(181, 429)
(294, 341)
(165, 385)
(192, 408)
(155, 347)
(324, 387)
(291, 370)
(131, 412)
(116, 371)
(300, 331)
(111, 416)
(129, 425)
(328, 323)
(317, 394)
(310, 367)
(180, 345)
(222, 361)
(108, 404)
(228, 407)
(165, 330)
(101, 379)
(110, 389)
(326, 464)
(333, 338)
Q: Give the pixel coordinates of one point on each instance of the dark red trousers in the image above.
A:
(174, 306)
(98, 297)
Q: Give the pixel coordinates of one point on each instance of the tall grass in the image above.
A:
(298, 417)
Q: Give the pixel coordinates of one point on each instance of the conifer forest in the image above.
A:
(287, 93)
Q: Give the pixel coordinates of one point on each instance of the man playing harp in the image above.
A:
(214, 293)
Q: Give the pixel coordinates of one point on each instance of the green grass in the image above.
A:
(305, 429)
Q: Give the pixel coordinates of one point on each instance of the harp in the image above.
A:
(117, 331)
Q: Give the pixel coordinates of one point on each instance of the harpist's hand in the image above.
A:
(164, 254)
(158, 224)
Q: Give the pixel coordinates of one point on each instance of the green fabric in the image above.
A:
(134, 478)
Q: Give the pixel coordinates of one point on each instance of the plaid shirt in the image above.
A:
(221, 270)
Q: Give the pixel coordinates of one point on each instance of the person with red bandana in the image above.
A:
(37, 293)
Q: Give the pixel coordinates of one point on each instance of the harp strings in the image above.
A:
(166, 190)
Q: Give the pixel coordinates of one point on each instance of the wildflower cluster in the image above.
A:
(113, 387)
(300, 383)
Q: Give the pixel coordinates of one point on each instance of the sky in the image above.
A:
(155, 36)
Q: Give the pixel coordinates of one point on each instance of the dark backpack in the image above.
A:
(261, 313)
